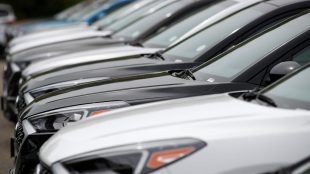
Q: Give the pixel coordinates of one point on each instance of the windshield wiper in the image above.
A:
(258, 96)
(136, 44)
(184, 74)
(190, 73)
(281, 171)
(156, 55)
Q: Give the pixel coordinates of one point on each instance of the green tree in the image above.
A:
(26, 9)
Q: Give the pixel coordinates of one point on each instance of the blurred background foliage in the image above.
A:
(27, 9)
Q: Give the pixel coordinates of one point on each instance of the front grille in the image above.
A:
(19, 135)
(21, 103)
(42, 169)
(6, 77)
(7, 71)
(10, 85)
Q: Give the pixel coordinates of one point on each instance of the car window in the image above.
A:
(88, 10)
(303, 56)
(293, 92)
(122, 23)
(71, 10)
(112, 16)
(173, 33)
(3, 13)
(302, 169)
(139, 27)
(200, 43)
(228, 66)
(307, 172)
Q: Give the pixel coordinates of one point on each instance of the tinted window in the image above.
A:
(167, 37)
(89, 10)
(71, 10)
(235, 62)
(306, 172)
(3, 13)
(303, 57)
(111, 17)
(135, 30)
(293, 92)
(206, 39)
(122, 23)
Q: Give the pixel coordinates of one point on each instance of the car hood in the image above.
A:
(48, 33)
(52, 50)
(34, 26)
(133, 90)
(196, 117)
(107, 69)
(57, 39)
(102, 54)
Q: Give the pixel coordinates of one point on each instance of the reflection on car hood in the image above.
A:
(133, 90)
(106, 53)
(113, 68)
(41, 25)
(209, 118)
(128, 89)
(46, 34)
(51, 50)
(63, 38)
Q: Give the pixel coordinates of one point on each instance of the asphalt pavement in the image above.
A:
(6, 130)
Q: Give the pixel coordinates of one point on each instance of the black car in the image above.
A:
(50, 80)
(147, 26)
(243, 67)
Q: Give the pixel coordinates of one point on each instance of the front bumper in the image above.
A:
(41, 169)
(26, 145)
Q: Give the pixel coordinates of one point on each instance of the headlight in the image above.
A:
(57, 119)
(23, 65)
(50, 88)
(133, 159)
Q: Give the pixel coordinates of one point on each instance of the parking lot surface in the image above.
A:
(6, 130)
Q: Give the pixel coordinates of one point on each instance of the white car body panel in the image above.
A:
(90, 33)
(48, 34)
(244, 137)
(105, 53)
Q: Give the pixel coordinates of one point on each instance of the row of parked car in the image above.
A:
(161, 86)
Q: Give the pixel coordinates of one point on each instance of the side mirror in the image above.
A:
(282, 69)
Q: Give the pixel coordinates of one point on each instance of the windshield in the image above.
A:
(89, 10)
(173, 33)
(112, 16)
(122, 23)
(123, 12)
(203, 41)
(293, 92)
(138, 28)
(74, 9)
(225, 68)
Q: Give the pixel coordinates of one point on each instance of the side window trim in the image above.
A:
(286, 57)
